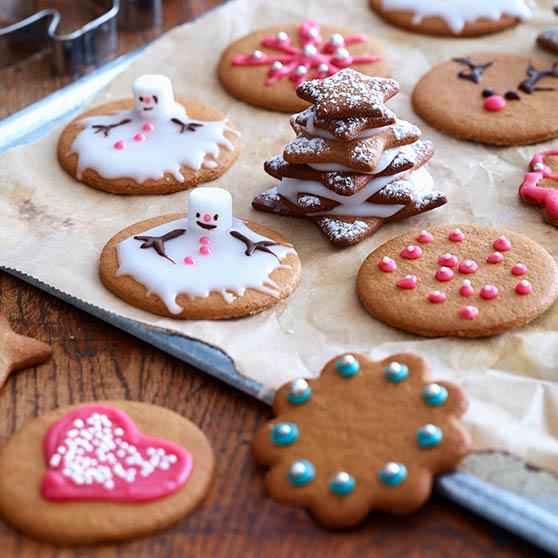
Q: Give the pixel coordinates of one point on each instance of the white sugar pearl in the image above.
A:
(282, 36)
(323, 68)
(309, 50)
(277, 65)
(337, 39)
(257, 55)
(299, 386)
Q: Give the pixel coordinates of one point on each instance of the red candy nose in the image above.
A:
(494, 103)
(207, 217)
(147, 99)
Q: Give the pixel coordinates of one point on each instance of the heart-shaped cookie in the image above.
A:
(95, 452)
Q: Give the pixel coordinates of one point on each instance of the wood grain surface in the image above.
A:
(93, 360)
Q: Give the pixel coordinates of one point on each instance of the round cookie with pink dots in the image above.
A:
(458, 280)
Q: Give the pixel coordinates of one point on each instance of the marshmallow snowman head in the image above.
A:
(209, 211)
(153, 96)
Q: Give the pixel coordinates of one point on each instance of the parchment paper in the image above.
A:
(54, 228)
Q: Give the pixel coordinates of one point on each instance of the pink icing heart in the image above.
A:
(95, 452)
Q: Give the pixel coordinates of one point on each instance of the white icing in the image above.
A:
(153, 144)
(212, 207)
(313, 131)
(457, 13)
(226, 269)
(385, 160)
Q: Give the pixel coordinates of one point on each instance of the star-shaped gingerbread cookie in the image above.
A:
(18, 351)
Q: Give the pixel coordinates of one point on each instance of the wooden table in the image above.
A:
(93, 360)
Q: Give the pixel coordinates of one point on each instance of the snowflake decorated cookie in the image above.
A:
(466, 281)
(265, 67)
(364, 435)
(151, 144)
(540, 185)
(103, 471)
(453, 18)
(208, 265)
(493, 98)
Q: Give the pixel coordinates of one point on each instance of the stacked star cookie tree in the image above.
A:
(353, 165)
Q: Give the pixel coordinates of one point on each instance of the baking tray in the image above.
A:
(533, 518)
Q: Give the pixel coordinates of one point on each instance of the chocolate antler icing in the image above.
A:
(158, 242)
(251, 246)
(534, 76)
(106, 128)
(186, 126)
(476, 70)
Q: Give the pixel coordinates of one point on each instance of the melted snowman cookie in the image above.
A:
(207, 266)
(464, 281)
(500, 99)
(150, 144)
(103, 471)
(457, 18)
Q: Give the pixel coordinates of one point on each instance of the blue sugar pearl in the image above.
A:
(347, 366)
(284, 433)
(301, 472)
(300, 392)
(393, 474)
(434, 395)
(396, 372)
(342, 484)
(429, 436)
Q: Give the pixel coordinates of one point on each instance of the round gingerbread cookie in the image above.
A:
(453, 18)
(458, 280)
(208, 266)
(265, 67)
(540, 185)
(103, 471)
(499, 99)
(150, 144)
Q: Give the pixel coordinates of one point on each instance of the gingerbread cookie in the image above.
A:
(265, 67)
(365, 435)
(453, 18)
(150, 144)
(208, 266)
(499, 99)
(549, 38)
(540, 186)
(353, 165)
(103, 471)
(18, 352)
(464, 281)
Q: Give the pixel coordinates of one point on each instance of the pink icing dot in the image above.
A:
(139, 137)
(524, 287)
(519, 269)
(189, 260)
(468, 312)
(387, 265)
(448, 260)
(408, 282)
(411, 252)
(456, 235)
(502, 244)
(425, 237)
(148, 127)
(466, 289)
(120, 144)
(204, 240)
(495, 103)
(204, 250)
(488, 292)
(468, 266)
(495, 258)
(436, 296)
(444, 274)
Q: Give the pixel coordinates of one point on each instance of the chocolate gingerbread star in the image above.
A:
(348, 93)
(158, 242)
(18, 351)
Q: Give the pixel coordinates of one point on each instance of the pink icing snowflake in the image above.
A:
(314, 59)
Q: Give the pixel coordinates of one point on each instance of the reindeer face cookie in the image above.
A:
(150, 144)
(500, 99)
(365, 435)
(207, 266)
(458, 280)
(540, 186)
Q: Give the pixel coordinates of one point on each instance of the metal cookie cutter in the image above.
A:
(88, 46)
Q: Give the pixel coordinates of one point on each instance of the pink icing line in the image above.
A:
(292, 57)
(530, 190)
(55, 486)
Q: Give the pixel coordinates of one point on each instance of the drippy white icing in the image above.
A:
(385, 160)
(311, 129)
(162, 150)
(457, 13)
(226, 269)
